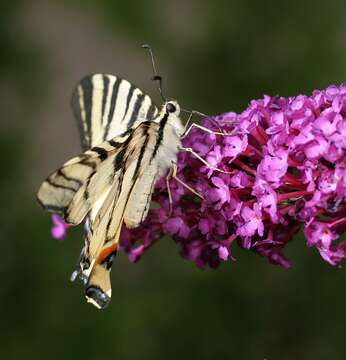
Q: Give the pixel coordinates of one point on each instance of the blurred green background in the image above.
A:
(215, 56)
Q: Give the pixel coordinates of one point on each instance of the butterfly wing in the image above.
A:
(106, 106)
(61, 190)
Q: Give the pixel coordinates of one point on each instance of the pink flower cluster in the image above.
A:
(284, 169)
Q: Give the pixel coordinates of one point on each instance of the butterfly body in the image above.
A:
(128, 145)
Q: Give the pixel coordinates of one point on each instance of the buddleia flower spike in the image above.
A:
(284, 170)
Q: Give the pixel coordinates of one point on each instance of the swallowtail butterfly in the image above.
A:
(128, 144)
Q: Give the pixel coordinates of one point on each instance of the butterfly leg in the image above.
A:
(189, 127)
(174, 176)
(210, 166)
(194, 125)
(168, 178)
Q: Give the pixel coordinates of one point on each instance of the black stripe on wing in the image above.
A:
(105, 91)
(110, 115)
(135, 110)
(87, 87)
(77, 104)
(128, 99)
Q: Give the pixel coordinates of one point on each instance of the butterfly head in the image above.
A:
(172, 107)
(170, 112)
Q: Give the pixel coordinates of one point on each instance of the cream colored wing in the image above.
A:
(106, 106)
(139, 202)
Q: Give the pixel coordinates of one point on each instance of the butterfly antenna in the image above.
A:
(156, 76)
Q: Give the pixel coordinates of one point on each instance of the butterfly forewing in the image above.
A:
(106, 106)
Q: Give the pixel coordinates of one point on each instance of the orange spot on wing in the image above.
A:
(106, 252)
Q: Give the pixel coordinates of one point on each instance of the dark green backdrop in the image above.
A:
(215, 56)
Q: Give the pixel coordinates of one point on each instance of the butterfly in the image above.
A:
(128, 144)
